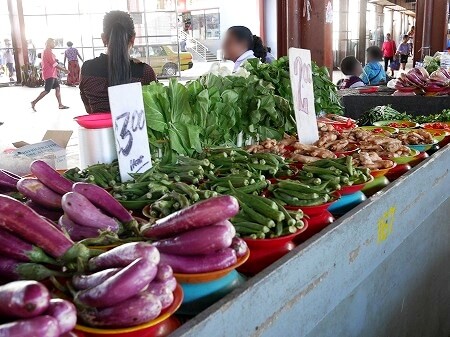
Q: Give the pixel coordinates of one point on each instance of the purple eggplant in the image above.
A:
(170, 283)
(64, 312)
(42, 326)
(13, 270)
(33, 189)
(200, 241)
(75, 231)
(228, 225)
(23, 299)
(164, 294)
(15, 248)
(30, 226)
(52, 214)
(103, 200)
(136, 310)
(123, 255)
(200, 263)
(164, 272)
(202, 214)
(51, 178)
(8, 179)
(82, 282)
(239, 246)
(11, 174)
(125, 284)
(83, 212)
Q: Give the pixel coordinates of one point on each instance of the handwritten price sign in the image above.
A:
(130, 129)
(303, 94)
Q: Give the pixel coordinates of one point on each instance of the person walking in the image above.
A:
(71, 55)
(389, 48)
(411, 34)
(9, 60)
(404, 49)
(50, 69)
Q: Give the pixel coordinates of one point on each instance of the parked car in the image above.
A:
(163, 58)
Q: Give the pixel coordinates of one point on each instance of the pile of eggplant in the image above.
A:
(8, 182)
(44, 191)
(90, 210)
(199, 239)
(27, 310)
(418, 79)
(126, 286)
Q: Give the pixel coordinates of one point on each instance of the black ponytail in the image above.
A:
(118, 30)
(253, 42)
(258, 49)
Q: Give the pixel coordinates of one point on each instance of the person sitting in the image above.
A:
(351, 68)
(373, 72)
(240, 45)
(114, 68)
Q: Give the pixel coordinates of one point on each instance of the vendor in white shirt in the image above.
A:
(240, 45)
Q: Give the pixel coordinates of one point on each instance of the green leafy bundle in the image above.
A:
(277, 73)
(213, 111)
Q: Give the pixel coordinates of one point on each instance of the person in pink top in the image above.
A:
(50, 69)
(389, 49)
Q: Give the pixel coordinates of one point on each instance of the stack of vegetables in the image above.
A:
(438, 82)
(45, 191)
(127, 286)
(200, 238)
(27, 309)
(90, 210)
(29, 251)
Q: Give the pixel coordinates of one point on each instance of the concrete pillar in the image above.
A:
(295, 30)
(362, 31)
(343, 30)
(438, 36)
(317, 33)
(19, 42)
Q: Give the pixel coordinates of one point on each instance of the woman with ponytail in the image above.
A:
(240, 45)
(115, 67)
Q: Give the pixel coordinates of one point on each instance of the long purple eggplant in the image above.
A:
(42, 326)
(33, 189)
(123, 255)
(15, 248)
(164, 272)
(83, 212)
(125, 284)
(75, 231)
(103, 200)
(202, 214)
(163, 293)
(52, 214)
(228, 225)
(23, 299)
(30, 226)
(239, 246)
(64, 312)
(51, 178)
(13, 270)
(200, 241)
(136, 310)
(83, 282)
(7, 179)
(170, 283)
(200, 263)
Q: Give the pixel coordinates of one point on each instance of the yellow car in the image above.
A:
(163, 59)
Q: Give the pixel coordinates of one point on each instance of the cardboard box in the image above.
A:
(53, 144)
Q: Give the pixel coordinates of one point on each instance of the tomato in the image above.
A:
(441, 126)
(378, 130)
(398, 125)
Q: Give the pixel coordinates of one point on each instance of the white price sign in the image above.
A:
(130, 129)
(303, 94)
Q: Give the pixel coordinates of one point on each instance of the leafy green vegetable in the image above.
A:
(277, 73)
(386, 112)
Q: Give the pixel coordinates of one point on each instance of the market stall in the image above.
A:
(235, 217)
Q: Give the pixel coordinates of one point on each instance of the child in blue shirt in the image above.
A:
(373, 72)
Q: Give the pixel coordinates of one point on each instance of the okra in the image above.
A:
(299, 195)
(186, 189)
(254, 226)
(257, 217)
(288, 218)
